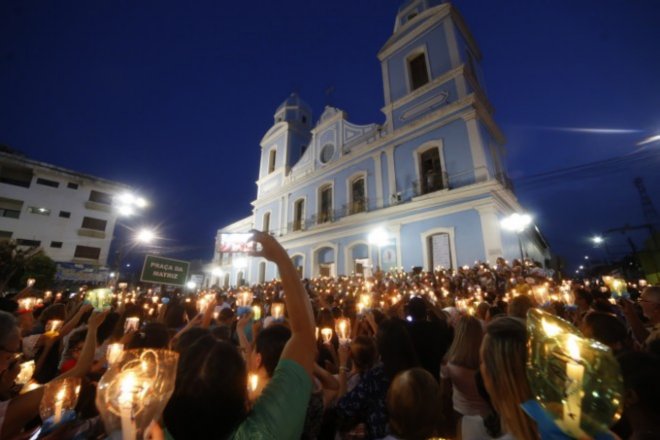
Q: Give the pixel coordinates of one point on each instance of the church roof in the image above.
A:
(293, 101)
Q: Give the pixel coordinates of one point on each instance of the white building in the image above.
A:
(430, 180)
(68, 214)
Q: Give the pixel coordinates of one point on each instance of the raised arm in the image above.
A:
(75, 319)
(301, 346)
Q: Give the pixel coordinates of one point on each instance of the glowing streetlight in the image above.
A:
(597, 239)
(127, 203)
(240, 263)
(380, 238)
(145, 235)
(191, 285)
(217, 272)
(517, 223)
(586, 257)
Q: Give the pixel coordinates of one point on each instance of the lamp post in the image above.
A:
(517, 223)
(597, 240)
(380, 238)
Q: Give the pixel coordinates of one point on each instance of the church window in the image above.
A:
(262, 272)
(298, 213)
(430, 172)
(358, 198)
(325, 204)
(265, 224)
(327, 152)
(440, 251)
(417, 68)
(412, 15)
(271, 160)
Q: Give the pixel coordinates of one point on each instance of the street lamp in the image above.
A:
(517, 223)
(145, 235)
(380, 238)
(597, 239)
(127, 203)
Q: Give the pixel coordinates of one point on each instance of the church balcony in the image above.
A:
(356, 206)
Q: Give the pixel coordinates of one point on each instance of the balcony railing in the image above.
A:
(437, 182)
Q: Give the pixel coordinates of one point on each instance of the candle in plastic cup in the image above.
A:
(326, 334)
(125, 399)
(131, 324)
(30, 282)
(59, 402)
(277, 310)
(53, 326)
(26, 304)
(575, 375)
(114, 352)
(27, 370)
(253, 382)
(244, 298)
(343, 328)
(256, 313)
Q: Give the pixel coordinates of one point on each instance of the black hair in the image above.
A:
(269, 344)
(606, 328)
(153, 335)
(188, 338)
(395, 347)
(210, 394)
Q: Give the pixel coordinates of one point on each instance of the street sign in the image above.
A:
(161, 270)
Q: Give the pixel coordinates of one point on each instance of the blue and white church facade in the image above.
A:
(426, 188)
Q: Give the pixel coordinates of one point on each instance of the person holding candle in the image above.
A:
(21, 409)
(366, 402)
(211, 387)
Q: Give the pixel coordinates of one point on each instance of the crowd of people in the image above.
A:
(396, 355)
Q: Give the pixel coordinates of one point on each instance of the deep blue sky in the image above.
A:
(174, 97)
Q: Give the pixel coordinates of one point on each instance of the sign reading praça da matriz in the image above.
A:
(164, 271)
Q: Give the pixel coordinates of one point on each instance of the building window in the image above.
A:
(358, 196)
(56, 244)
(440, 251)
(418, 71)
(26, 242)
(16, 176)
(304, 119)
(265, 223)
(40, 211)
(298, 214)
(325, 204)
(87, 252)
(262, 272)
(5, 235)
(94, 223)
(65, 214)
(100, 197)
(430, 171)
(10, 208)
(272, 156)
(72, 185)
(46, 182)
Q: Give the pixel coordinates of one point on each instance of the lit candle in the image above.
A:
(277, 310)
(575, 375)
(30, 282)
(360, 308)
(27, 370)
(125, 400)
(131, 324)
(59, 402)
(343, 328)
(26, 304)
(253, 382)
(114, 352)
(326, 334)
(53, 326)
(256, 312)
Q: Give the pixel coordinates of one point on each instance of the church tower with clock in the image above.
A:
(429, 179)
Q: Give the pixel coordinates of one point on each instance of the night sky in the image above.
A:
(174, 97)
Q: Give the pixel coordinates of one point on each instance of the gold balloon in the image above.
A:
(575, 379)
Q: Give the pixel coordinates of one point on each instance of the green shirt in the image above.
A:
(279, 413)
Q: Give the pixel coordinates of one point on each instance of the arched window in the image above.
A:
(265, 223)
(325, 204)
(430, 171)
(272, 156)
(240, 278)
(262, 272)
(358, 196)
(299, 215)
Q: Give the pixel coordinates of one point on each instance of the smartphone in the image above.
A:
(236, 243)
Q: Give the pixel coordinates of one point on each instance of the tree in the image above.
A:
(17, 264)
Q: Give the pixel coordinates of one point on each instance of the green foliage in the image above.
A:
(17, 264)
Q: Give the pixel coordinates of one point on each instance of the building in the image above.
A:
(70, 215)
(425, 188)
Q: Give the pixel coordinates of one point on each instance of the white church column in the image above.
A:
(379, 180)
(491, 232)
(476, 146)
(391, 173)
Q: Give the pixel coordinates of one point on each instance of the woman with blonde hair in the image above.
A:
(503, 359)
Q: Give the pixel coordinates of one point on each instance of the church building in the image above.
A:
(426, 188)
